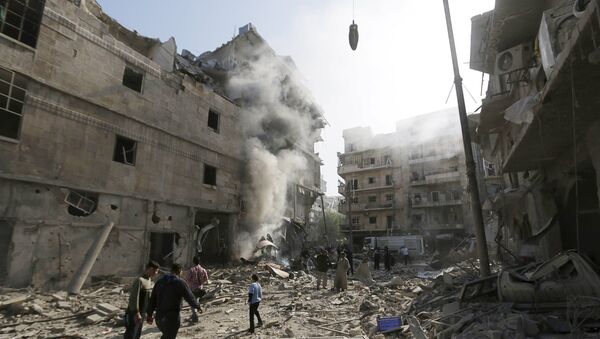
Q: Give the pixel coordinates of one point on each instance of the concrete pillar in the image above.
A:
(81, 276)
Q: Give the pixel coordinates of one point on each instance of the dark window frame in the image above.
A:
(210, 175)
(130, 78)
(13, 92)
(214, 113)
(372, 220)
(121, 154)
(20, 20)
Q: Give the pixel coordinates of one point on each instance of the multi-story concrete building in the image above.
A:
(100, 126)
(411, 181)
(539, 124)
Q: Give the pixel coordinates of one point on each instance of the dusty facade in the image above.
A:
(539, 124)
(101, 125)
(411, 181)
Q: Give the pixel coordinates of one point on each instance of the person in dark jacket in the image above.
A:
(387, 259)
(166, 299)
(138, 301)
(376, 259)
(322, 268)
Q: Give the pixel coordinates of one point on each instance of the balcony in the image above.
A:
(441, 202)
(430, 158)
(371, 206)
(438, 227)
(546, 139)
(438, 178)
(368, 164)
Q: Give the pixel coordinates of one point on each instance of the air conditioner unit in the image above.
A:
(555, 31)
(512, 59)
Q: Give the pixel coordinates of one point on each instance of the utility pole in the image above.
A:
(473, 188)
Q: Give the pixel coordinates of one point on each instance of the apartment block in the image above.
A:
(411, 181)
(538, 127)
(101, 127)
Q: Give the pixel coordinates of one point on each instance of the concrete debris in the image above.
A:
(293, 307)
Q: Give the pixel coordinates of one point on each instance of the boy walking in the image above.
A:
(138, 300)
(254, 298)
(196, 278)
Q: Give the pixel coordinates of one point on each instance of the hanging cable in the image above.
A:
(573, 106)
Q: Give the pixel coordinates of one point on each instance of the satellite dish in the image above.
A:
(353, 35)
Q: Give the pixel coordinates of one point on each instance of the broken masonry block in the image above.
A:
(108, 308)
(93, 319)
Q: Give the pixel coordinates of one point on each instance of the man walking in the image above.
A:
(196, 278)
(138, 301)
(254, 298)
(322, 268)
(376, 259)
(387, 259)
(166, 299)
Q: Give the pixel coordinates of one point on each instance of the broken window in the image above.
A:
(20, 19)
(355, 220)
(125, 150)
(455, 195)
(372, 220)
(388, 180)
(371, 180)
(355, 200)
(133, 79)
(213, 120)
(372, 161)
(13, 88)
(435, 196)
(389, 197)
(210, 175)
(354, 184)
(390, 221)
(81, 204)
(372, 198)
(162, 246)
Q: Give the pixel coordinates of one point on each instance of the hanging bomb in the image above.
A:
(353, 35)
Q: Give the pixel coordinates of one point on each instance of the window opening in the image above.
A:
(125, 150)
(13, 88)
(372, 220)
(133, 79)
(372, 198)
(81, 204)
(20, 20)
(213, 120)
(210, 175)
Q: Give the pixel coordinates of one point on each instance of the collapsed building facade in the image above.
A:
(411, 181)
(102, 128)
(539, 125)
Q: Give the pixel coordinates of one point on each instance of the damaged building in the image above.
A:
(112, 139)
(410, 181)
(539, 126)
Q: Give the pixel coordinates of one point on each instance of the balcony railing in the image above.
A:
(437, 178)
(361, 165)
(442, 201)
(418, 159)
(443, 226)
(343, 208)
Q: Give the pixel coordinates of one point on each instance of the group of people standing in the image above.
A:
(162, 301)
(388, 259)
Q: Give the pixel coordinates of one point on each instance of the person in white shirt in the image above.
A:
(254, 298)
(404, 251)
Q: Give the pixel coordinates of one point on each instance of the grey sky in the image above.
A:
(401, 68)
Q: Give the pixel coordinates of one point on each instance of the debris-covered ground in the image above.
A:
(430, 303)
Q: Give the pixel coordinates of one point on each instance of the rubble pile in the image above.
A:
(408, 301)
